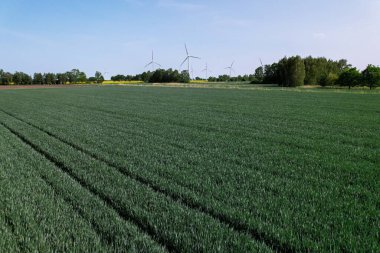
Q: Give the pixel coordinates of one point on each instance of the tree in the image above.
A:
(317, 69)
(91, 80)
(371, 76)
(184, 77)
(20, 78)
(271, 75)
(62, 78)
(212, 79)
(292, 71)
(259, 74)
(74, 76)
(329, 80)
(99, 77)
(313, 69)
(6, 78)
(49, 78)
(82, 78)
(38, 78)
(118, 78)
(350, 77)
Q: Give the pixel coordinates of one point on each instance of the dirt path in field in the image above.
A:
(23, 87)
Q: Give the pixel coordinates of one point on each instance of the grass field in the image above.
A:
(145, 169)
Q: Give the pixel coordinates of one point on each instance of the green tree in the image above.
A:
(73, 76)
(50, 78)
(20, 78)
(91, 80)
(271, 75)
(329, 80)
(259, 74)
(317, 69)
(38, 78)
(184, 77)
(371, 76)
(292, 71)
(312, 70)
(82, 78)
(350, 77)
(6, 78)
(99, 77)
(62, 78)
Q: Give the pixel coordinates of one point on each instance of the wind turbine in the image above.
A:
(231, 68)
(206, 70)
(188, 57)
(152, 63)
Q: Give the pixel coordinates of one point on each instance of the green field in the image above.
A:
(144, 169)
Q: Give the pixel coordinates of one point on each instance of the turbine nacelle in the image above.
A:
(187, 59)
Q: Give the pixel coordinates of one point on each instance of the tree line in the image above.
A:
(157, 76)
(297, 71)
(288, 72)
(74, 76)
(167, 76)
(227, 78)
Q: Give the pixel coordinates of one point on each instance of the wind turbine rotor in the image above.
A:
(152, 63)
(184, 61)
(148, 65)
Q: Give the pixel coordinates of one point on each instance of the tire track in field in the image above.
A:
(149, 230)
(235, 224)
(9, 223)
(58, 194)
(105, 238)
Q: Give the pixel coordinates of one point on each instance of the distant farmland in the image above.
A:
(143, 169)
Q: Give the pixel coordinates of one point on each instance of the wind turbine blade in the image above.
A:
(157, 64)
(187, 52)
(232, 64)
(195, 57)
(152, 56)
(184, 61)
(148, 64)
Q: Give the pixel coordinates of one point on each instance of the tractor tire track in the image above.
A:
(148, 229)
(230, 222)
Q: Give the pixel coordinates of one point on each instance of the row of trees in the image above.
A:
(297, 71)
(171, 75)
(158, 76)
(71, 77)
(288, 72)
(227, 78)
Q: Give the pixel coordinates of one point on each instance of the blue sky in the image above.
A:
(117, 36)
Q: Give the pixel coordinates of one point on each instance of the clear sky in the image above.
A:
(117, 36)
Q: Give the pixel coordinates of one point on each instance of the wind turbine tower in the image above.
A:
(206, 70)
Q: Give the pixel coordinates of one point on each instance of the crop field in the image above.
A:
(145, 169)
